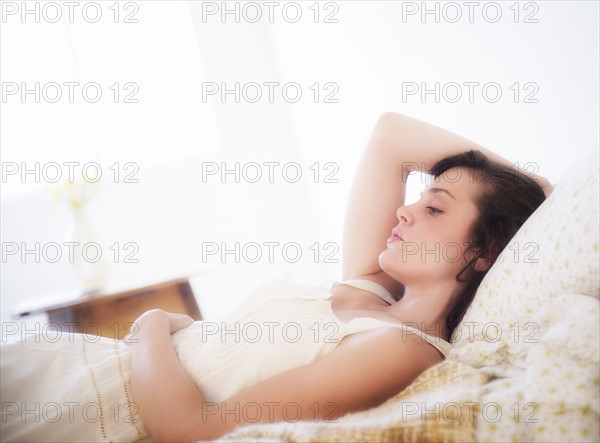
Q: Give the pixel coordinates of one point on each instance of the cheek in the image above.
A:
(404, 257)
(454, 231)
(452, 254)
(434, 259)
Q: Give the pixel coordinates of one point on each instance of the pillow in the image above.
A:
(555, 252)
(557, 397)
(562, 370)
(442, 404)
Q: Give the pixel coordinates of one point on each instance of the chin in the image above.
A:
(390, 265)
(383, 259)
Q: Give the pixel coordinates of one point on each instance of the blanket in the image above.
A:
(442, 404)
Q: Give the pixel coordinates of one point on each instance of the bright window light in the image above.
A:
(78, 91)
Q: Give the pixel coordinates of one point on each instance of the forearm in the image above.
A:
(169, 403)
(412, 144)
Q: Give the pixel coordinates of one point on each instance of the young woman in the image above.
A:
(295, 353)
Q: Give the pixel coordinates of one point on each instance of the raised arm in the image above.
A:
(398, 145)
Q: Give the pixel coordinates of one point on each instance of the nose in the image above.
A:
(404, 215)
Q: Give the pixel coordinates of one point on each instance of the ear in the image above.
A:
(482, 264)
(485, 258)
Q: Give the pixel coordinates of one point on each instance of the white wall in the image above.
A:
(369, 54)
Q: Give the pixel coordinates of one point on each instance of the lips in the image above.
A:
(395, 236)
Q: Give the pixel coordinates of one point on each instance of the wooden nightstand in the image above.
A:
(111, 314)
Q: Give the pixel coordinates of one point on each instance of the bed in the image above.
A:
(525, 363)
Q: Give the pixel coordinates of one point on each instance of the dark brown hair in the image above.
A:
(508, 197)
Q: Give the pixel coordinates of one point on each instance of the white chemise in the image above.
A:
(77, 387)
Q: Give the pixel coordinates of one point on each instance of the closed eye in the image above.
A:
(433, 210)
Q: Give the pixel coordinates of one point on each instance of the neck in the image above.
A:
(426, 307)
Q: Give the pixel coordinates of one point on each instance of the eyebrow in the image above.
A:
(438, 190)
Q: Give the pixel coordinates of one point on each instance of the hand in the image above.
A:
(545, 184)
(541, 180)
(178, 321)
(156, 319)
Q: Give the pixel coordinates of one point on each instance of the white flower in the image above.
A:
(76, 193)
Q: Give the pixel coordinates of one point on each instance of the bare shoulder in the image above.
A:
(393, 343)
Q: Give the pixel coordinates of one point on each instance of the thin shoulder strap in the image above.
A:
(440, 344)
(370, 286)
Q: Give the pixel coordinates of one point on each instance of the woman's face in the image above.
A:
(428, 243)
